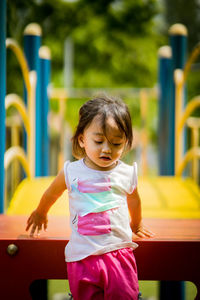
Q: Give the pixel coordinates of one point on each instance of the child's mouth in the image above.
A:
(106, 158)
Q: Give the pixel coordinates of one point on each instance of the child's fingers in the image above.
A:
(29, 223)
(45, 225)
(135, 236)
(27, 227)
(33, 229)
(39, 227)
(143, 233)
(149, 233)
(35, 222)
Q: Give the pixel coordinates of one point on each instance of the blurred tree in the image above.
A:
(187, 13)
(115, 41)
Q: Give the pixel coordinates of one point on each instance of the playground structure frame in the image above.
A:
(182, 119)
(27, 114)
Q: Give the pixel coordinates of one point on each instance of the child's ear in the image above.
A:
(81, 140)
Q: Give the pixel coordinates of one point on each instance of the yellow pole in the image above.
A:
(181, 119)
(15, 141)
(12, 44)
(192, 105)
(30, 83)
(178, 77)
(194, 124)
(16, 101)
(31, 114)
(144, 134)
(14, 124)
(192, 58)
(13, 153)
(193, 152)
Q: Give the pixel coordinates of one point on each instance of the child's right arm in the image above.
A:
(39, 216)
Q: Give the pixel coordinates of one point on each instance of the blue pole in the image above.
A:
(45, 61)
(178, 42)
(163, 112)
(2, 97)
(32, 42)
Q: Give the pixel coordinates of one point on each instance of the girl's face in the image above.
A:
(102, 152)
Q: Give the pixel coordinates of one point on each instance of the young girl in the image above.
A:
(105, 207)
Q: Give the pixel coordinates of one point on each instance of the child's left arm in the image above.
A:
(135, 211)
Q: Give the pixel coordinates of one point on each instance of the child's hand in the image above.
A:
(36, 220)
(141, 232)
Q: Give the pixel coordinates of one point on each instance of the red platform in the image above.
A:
(173, 254)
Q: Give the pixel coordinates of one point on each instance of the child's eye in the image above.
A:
(98, 142)
(117, 144)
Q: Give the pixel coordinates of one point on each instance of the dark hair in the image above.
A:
(105, 107)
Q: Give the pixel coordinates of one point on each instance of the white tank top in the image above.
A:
(99, 217)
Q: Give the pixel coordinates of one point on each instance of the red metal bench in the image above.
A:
(173, 254)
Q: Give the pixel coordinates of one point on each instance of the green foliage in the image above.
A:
(187, 13)
(117, 59)
(72, 109)
(114, 40)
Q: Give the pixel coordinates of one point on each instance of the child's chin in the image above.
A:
(107, 164)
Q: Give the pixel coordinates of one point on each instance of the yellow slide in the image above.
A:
(28, 194)
(169, 197)
(162, 197)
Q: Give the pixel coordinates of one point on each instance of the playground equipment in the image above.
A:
(45, 64)
(33, 111)
(166, 203)
(170, 58)
(160, 258)
(2, 96)
(144, 132)
(171, 112)
(27, 114)
(14, 129)
(172, 146)
(172, 138)
(182, 119)
(153, 186)
(38, 59)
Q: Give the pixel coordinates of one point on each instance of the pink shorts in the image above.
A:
(109, 276)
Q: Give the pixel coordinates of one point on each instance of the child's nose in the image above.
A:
(106, 148)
